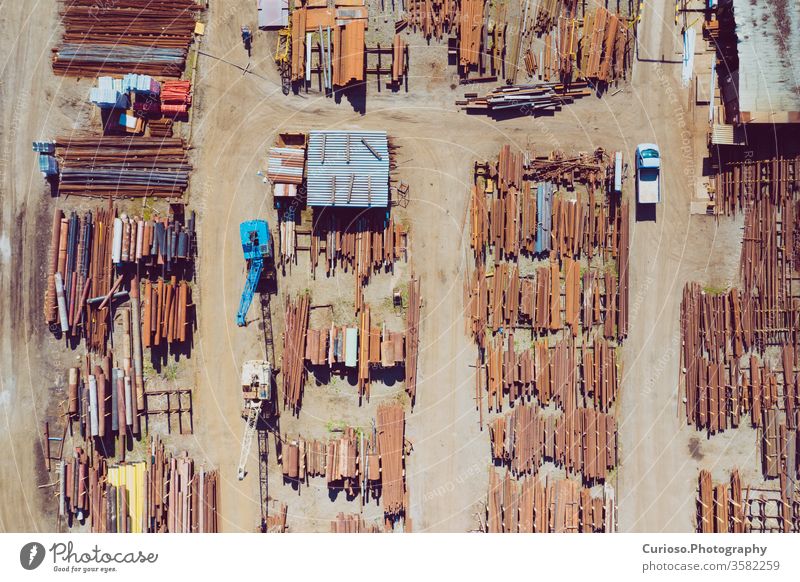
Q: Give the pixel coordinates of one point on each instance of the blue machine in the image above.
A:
(257, 249)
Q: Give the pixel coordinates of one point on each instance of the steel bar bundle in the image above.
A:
(558, 506)
(79, 269)
(583, 442)
(399, 59)
(122, 166)
(87, 251)
(721, 508)
(139, 36)
(372, 465)
(165, 307)
(342, 50)
(470, 33)
(527, 99)
(391, 448)
(504, 299)
(717, 331)
(292, 361)
(508, 216)
(547, 13)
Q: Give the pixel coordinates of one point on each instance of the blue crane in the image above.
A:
(257, 249)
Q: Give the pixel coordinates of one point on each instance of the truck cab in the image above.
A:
(648, 169)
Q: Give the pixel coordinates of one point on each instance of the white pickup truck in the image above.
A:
(648, 167)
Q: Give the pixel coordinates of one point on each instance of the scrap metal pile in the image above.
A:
(432, 18)
(583, 441)
(526, 99)
(740, 345)
(568, 325)
(140, 36)
(556, 506)
(370, 465)
(740, 183)
(478, 33)
(551, 372)
(122, 167)
(596, 47)
(362, 242)
(365, 348)
(164, 494)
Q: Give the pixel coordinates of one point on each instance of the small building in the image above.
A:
(272, 13)
(765, 87)
(348, 169)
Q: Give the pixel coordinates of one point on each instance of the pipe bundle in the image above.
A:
(162, 494)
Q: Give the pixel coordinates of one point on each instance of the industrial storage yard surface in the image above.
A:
(237, 116)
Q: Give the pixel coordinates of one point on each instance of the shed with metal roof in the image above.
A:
(768, 46)
(348, 169)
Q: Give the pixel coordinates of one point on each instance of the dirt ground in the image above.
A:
(236, 118)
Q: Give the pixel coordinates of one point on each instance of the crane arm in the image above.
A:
(253, 276)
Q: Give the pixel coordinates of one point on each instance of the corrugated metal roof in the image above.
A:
(768, 35)
(348, 168)
(285, 165)
(723, 134)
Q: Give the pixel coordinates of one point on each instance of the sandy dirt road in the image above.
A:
(658, 474)
(28, 93)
